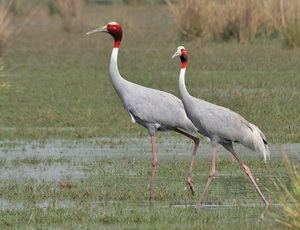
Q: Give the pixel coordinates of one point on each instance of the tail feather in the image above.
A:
(260, 142)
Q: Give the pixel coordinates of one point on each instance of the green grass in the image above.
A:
(104, 218)
(37, 160)
(104, 183)
(60, 87)
(287, 192)
(114, 194)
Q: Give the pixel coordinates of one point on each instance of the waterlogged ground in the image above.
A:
(55, 79)
(96, 183)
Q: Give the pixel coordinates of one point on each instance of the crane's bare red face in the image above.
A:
(181, 51)
(183, 55)
(115, 30)
(183, 58)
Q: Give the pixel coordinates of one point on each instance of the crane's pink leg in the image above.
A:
(248, 172)
(189, 181)
(154, 165)
(211, 175)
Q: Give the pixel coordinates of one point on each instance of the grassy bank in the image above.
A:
(59, 84)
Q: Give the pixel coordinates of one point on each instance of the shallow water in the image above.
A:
(54, 165)
(81, 151)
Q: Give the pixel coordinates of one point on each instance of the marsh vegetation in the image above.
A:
(71, 158)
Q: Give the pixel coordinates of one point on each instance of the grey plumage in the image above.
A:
(221, 126)
(155, 110)
(224, 126)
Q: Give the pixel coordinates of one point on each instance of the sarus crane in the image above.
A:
(221, 126)
(154, 109)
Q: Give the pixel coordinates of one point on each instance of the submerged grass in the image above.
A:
(114, 194)
(87, 184)
(37, 160)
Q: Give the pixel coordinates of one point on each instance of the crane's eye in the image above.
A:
(112, 27)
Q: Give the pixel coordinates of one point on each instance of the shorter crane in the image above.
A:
(221, 126)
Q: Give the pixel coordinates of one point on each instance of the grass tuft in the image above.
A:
(288, 196)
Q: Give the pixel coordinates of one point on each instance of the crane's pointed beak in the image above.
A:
(102, 29)
(178, 53)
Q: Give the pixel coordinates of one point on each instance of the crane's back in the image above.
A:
(155, 109)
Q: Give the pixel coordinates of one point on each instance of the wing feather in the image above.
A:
(157, 107)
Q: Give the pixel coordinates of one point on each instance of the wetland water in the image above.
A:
(125, 165)
(55, 159)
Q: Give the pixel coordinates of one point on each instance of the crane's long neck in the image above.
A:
(182, 88)
(117, 80)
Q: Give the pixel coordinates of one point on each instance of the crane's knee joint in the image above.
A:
(247, 169)
(189, 180)
(154, 163)
(212, 173)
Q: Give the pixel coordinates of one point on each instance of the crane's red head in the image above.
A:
(181, 51)
(114, 29)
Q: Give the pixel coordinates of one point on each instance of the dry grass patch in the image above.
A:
(22, 7)
(6, 27)
(242, 20)
(191, 17)
(284, 17)
(6, 30)
(68, 10)
(213, 19)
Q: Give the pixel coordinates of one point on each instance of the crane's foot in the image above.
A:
(266, 204)
(190, 186)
